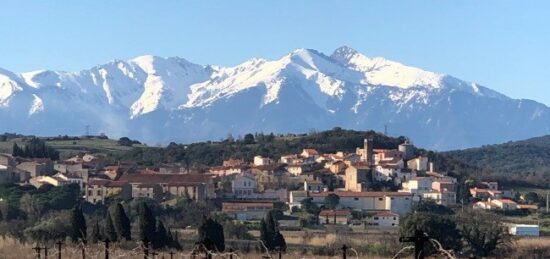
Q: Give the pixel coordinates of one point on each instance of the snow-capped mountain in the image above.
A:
(171, 99)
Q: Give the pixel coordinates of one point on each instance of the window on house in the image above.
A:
(356, 199)
(392, 198)
(380, 199)
(375, 218)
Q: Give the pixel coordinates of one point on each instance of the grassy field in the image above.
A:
(11, 249)
(69, 147)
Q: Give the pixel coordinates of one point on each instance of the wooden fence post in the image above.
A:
(59, 243)
(38, 250)
(46, 252)
(106, 249)
(145, 249)
(344, 250)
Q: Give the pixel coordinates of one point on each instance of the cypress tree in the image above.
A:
(146, 223)
(95, 236)
(122, 223)
(211, 235)
(110, 232)
(78, 224)
(269, 233)
(160, 239)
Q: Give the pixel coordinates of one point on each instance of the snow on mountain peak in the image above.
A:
(380, 71)
(8, 86)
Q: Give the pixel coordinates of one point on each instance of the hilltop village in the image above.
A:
(369, 187)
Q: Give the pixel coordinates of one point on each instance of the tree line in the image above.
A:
(35, 148)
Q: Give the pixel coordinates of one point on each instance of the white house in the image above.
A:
(385, 219)
(260, 161)
(444, 198)
(313, 185)
(397, 202)
(418, 185)
(71, 178)
(243, 185)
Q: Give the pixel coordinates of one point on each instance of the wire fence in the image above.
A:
(143, 250)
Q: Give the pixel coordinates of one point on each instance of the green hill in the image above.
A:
(523, 162)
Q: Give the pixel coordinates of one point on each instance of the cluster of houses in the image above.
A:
(491, 198)
(249, 189)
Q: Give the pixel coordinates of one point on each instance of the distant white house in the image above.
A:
(524, 230)
(385, 219)
(243, 185)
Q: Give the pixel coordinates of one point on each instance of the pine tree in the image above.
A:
(110, 232)
(95, 236)
(146, 223)
(122, 223)
(78, 224)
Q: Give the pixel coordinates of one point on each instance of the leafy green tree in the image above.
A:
(483, 232)
(310, 207)
(211, 235)
(249, 139)
(431, 207)
(331, 201)
(110, 232)
(439, 227)
(146, 223)
(532, 198)
(121, 222)
(78, 225)
(236, 230)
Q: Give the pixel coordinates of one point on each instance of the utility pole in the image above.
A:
(87, 131)
(547, 201)
(386, 129)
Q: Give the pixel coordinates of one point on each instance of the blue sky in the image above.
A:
(501, 44)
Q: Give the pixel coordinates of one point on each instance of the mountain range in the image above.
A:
(159, 100)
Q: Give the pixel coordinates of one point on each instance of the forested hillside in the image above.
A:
(213, 153)
(526, 161)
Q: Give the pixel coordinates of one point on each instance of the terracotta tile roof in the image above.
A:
(360, 194)
(98, 182)
(311, 151)
(527, 206)
(507, 201)
(158, 178)
(332, 213)
(386, 213)
(116, 184)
